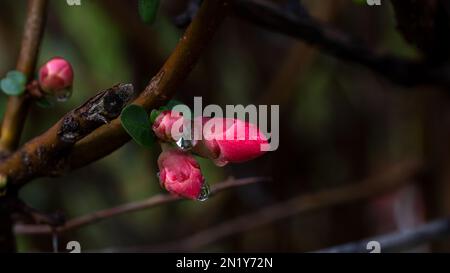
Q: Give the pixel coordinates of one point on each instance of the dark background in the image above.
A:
(339, 124)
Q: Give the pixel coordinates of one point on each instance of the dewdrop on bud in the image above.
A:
(56, 78)
(204, 192)
(63, 94)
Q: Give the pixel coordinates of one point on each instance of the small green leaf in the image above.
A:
(163, 108)
(148, 10)
(135, 121)
(17, 76)
(11, 87)
(14, 83)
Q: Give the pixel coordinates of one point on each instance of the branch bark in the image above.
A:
(162, 87)
(340, 45)
(151, 202)
(110, 137)
(43, 154)
(17, 106)
(425, 24)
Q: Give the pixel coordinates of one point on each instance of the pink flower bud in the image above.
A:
(238, 141)
(164, 123)
(180, 174)
(55, 75)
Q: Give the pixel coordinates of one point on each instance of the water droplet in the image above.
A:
(63, 95)
(204, 192)
(157, 175)
(185, 144)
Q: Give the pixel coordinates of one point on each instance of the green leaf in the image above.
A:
(135, 121)
(148, 10)
(14, 83)
(163, 108)
(17, 76)
(11, 87)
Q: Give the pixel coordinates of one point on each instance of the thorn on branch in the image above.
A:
(99, 110)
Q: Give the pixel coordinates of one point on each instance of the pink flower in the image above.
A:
(164, 123)
(55, 75)
(231, 140)
(180, 174)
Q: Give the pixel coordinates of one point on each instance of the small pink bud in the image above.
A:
(55, 75)
(180, 174)
(237, 142)
(164, 123)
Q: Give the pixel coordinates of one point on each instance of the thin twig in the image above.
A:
(391, 179)
(340, 45)
(400, 241)
(151, 202)
(17, 107)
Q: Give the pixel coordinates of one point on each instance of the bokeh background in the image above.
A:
(340, 123)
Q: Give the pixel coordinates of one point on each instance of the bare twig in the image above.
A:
(151, 202)
(340, 45)
(400, 241)
(391, 179)
(17, 107)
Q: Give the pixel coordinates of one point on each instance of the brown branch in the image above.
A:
(110, 137)
(17, 106)
(41, 155)
(340, 45)
(391, 179)
(151, 202)
(162, 86)
(425, 24)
